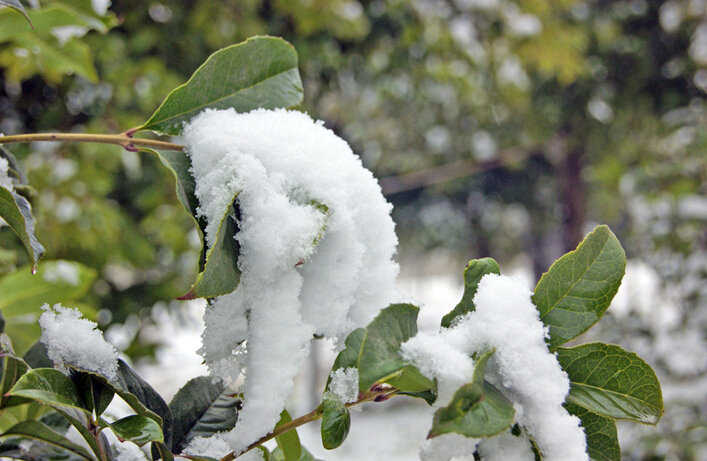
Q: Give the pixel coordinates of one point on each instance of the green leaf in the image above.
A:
(379, 359)
(137, 429)
(602, 439)
(375, 354)
(477, 409)
(220, 274)
(475, 270)
(577, 289)
(10, 416)
(40, 431)
(200, 409)
(348, 358)
(161, 451)
(611, 382)
(221, 416)
(258, 73)
(96, 395)
(336, 422)
(16, 5)
(12, 369)
(37, 356)
(142, 398)
(48, 386)
(288, 443)
(22, 295)
(17, 213)
(51, 387)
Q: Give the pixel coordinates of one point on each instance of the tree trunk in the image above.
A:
(573, 199)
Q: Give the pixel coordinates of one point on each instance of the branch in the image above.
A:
(378, 395)
(125, 140)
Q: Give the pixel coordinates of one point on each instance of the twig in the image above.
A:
(308, 418)
(124, 140)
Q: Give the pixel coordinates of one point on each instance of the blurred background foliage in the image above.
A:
(497, 127)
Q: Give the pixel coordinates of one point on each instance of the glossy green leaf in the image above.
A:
(17, 213)
(95, 393)
(258, 73)
(379, 358)
(16, 5)
(54, 389)
(48, 386)
(602, 438)
(578, 288)
(40, 431)
(336, 422)
(220, 416)
(137, 429)
(202, 407)
(10, 416)
(220, 273)
(161, 451)
(179, 164)
(477, 409)
(474, 271)
(348, 358)
(12, 369)
(611, 382)
(142, 398)
(22, 295)
(288, 442)
(37, 356)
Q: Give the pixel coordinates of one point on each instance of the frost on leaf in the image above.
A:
(315, 241)
(73, 340)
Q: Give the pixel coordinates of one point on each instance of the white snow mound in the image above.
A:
(316, 246)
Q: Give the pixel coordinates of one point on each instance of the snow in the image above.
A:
(5, 179)
(61, 272)
(100, 6)
(128, 451)
(213, 447)
(71, 339)
(506, 447)
(448, 447)
(506, 320)
(304, 270)
(435, 357)
(344, 384)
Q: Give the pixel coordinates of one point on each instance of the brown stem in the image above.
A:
(124, 140)
(308, 418)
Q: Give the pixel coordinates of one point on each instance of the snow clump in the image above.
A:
(72, 340)
(506, 320)
(210, 447)
(316, 245)
(344, 384)
(506, 447)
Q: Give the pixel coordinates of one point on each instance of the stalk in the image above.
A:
(124, 140)
(378, 395)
